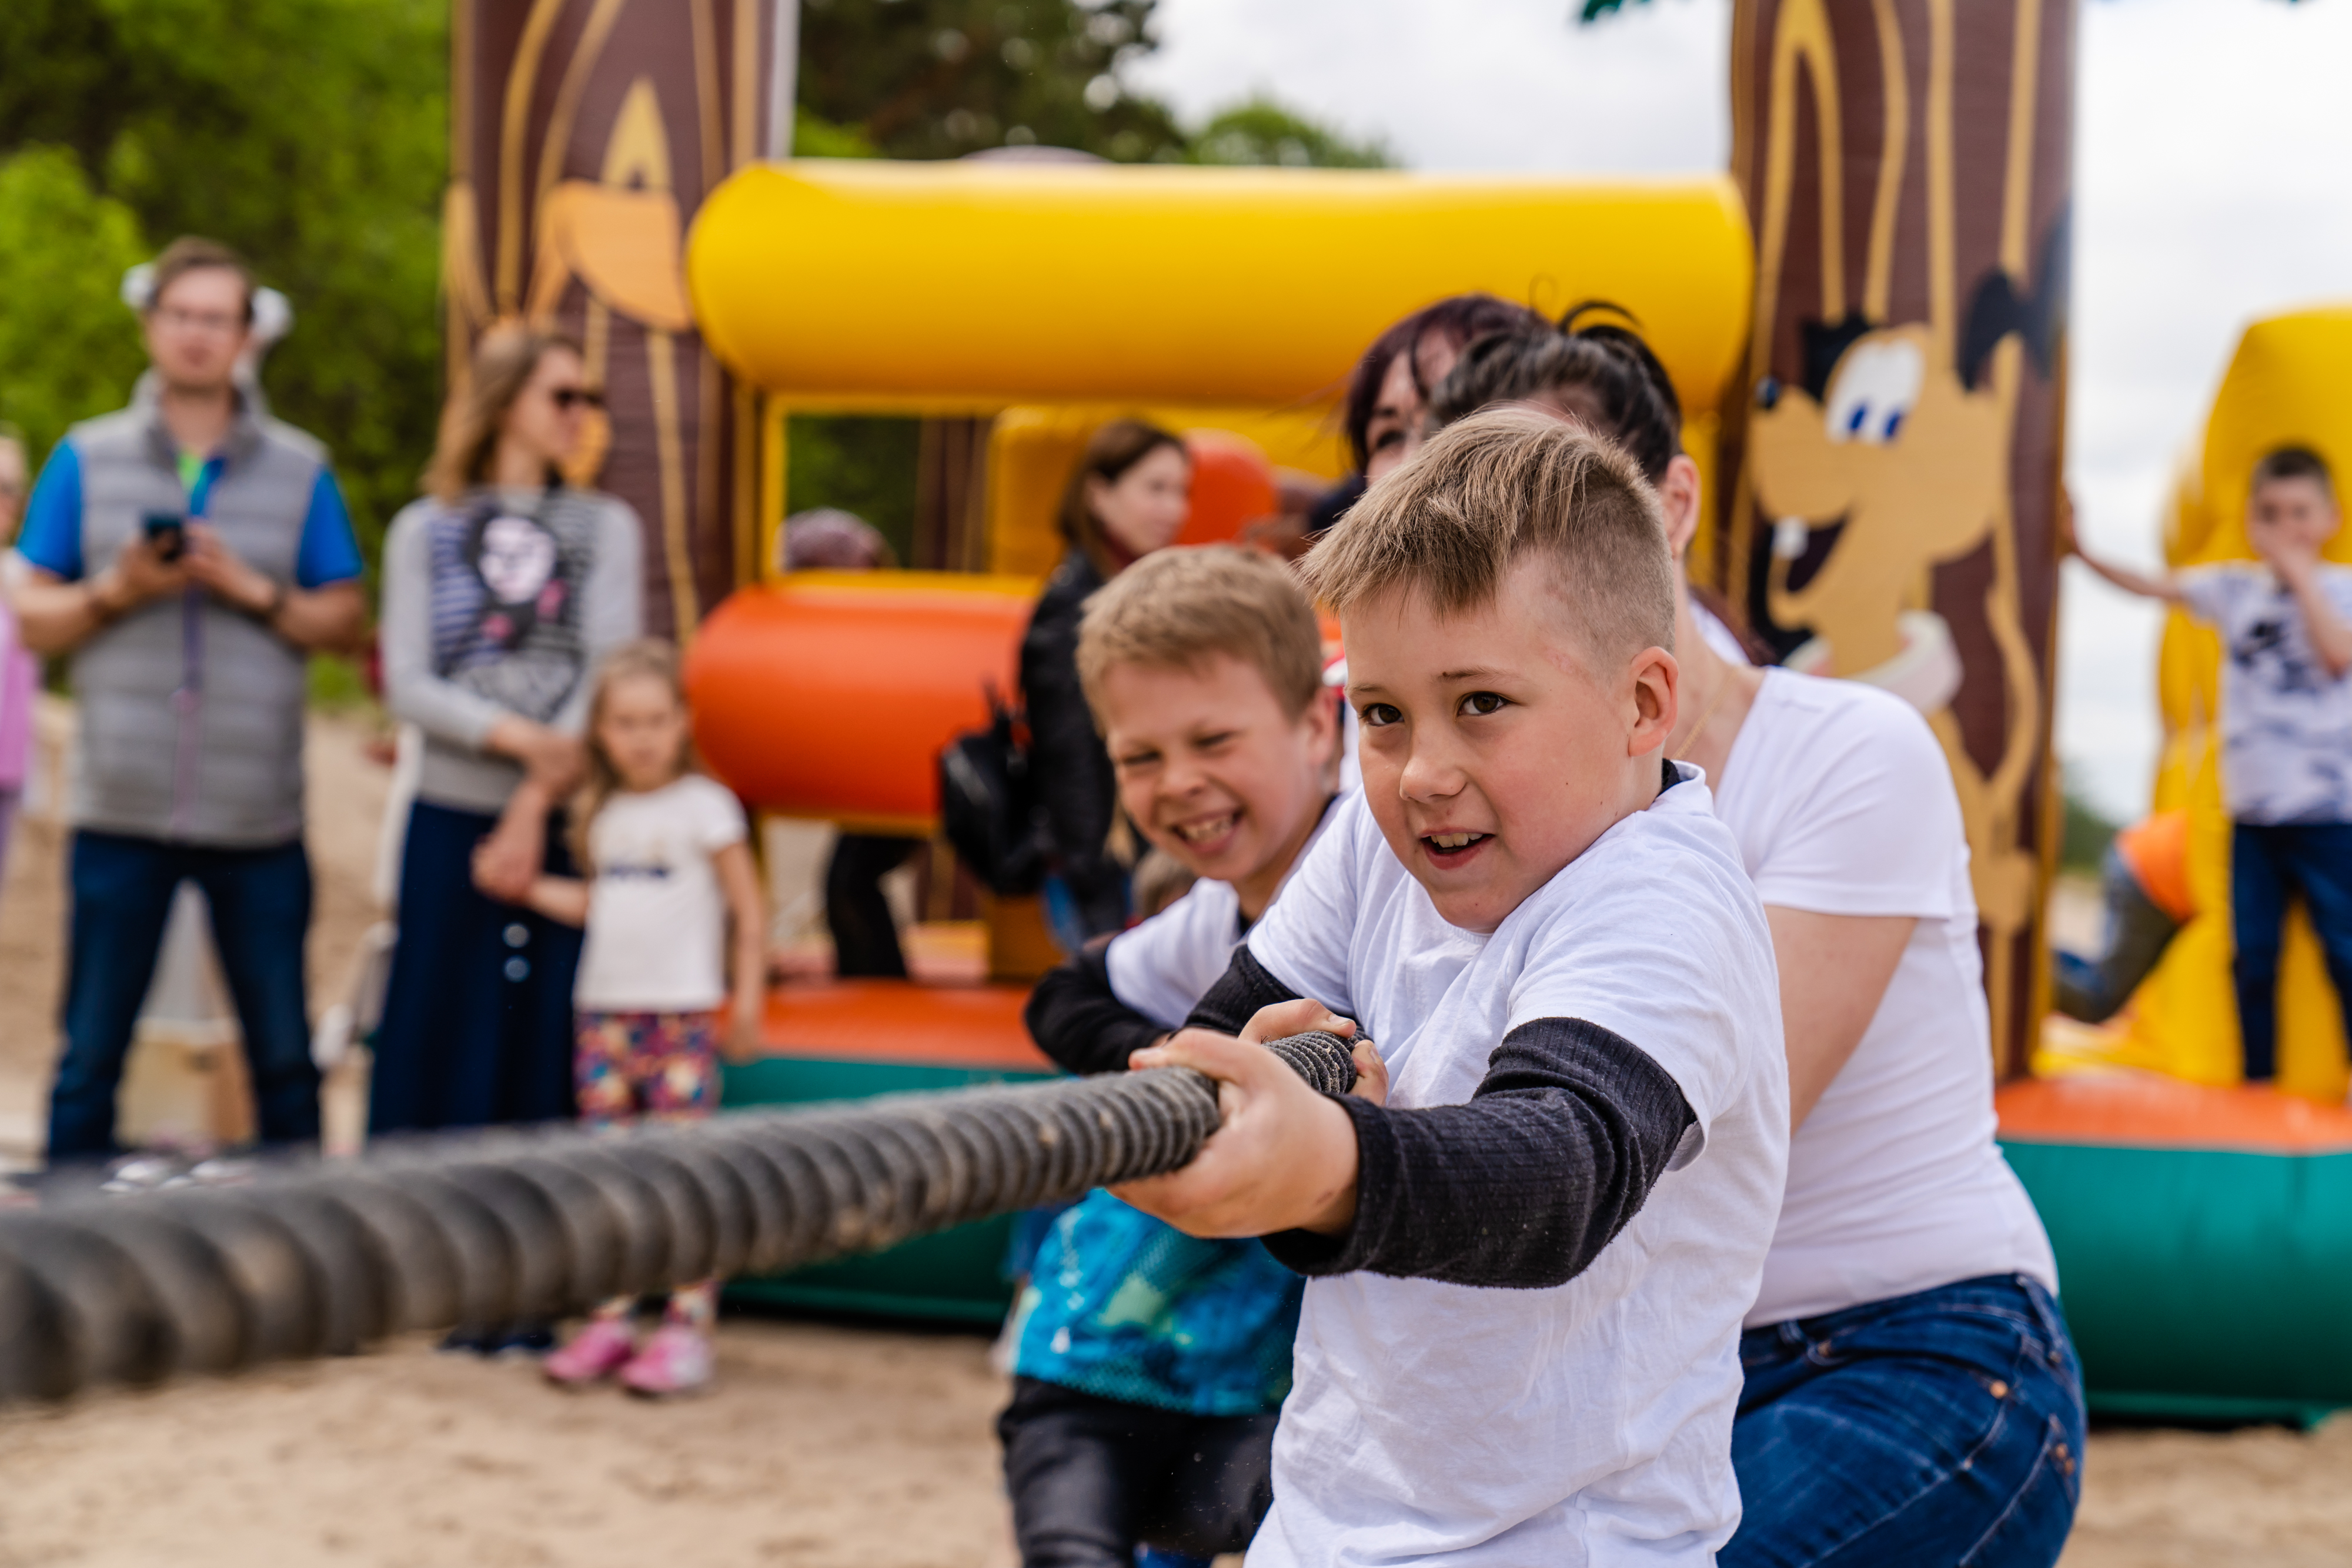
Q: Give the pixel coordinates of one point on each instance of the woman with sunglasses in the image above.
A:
(502, 589)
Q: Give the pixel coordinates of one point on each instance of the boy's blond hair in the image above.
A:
(1500, 485)
(1178, 609)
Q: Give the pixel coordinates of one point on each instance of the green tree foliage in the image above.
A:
(860, 463)
(311, 134)
(940, 78)
(1261, 131)
(66, 349)
(937, 79)
(2083, 834)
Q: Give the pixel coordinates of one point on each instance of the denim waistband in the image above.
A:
(2019, 1297)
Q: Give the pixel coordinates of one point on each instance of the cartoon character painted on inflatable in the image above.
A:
(1900, 457)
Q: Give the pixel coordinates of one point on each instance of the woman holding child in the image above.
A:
(1911, 1394)
(502, 589)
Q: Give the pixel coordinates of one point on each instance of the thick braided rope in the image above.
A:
(487, 1229)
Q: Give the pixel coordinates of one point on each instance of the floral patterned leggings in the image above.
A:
(662, 1065)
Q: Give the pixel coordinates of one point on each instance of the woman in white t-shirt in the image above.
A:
(669, 867)
(1911, 1396)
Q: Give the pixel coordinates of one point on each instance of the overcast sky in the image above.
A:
(2213, 184)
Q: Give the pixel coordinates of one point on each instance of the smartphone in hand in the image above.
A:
(167, 534)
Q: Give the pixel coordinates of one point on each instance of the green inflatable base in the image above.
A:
(2204, 1286)
(2188, 1410)
(954, 1277)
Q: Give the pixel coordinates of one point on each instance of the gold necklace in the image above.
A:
(1722, 689)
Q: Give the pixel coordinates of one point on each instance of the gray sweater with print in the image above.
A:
(456, 771)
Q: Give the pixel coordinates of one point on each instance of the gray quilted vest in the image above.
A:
(191, 712)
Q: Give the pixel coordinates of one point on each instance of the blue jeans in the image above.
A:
(2268, 864)
(1933, 1429)
(123, 888)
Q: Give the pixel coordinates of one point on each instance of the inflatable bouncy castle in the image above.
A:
(1211, 300)
(2177, 1200)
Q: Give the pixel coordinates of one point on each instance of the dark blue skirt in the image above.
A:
(476, 1026)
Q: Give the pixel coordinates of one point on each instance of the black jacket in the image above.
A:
(1067, 766)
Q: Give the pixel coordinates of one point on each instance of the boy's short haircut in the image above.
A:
(191, 252)
(2294, 463)
(1503, 484)
(1178, 609)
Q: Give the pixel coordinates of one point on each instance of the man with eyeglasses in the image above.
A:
(188, 553)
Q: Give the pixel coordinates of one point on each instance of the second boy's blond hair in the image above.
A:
(1178, 609)
(1496, 486)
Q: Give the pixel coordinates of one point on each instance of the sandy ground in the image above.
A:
(822, 1445)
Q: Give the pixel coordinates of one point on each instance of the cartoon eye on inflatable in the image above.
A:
(1872, 392)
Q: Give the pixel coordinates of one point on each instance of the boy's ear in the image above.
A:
(1325, 734)
(1657, 692)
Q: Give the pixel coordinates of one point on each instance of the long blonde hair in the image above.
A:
(648, 657)
(504, 361)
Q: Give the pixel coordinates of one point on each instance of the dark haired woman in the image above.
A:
(1911, 1394)
(1605, 378)
(1128, 497)
(1389, 390)
(502, 587)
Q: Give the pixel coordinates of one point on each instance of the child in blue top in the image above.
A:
(1149, 1364)
(2285, 622)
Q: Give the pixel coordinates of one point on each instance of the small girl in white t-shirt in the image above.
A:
(669, 867)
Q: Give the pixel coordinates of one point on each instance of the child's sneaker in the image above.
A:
(677, 1359)
(597, 1351)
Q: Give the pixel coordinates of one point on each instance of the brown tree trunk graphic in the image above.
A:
(583, 135)
(1907, 166)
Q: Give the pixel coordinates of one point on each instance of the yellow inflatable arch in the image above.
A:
(1237, 299)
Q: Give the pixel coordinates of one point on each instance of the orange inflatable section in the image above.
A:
(831, 694)
(1233, 486)
(890, 1021)
(2151, 1112)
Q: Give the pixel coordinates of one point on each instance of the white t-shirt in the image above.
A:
(656, 917)
(1590, 1422)
(1843, 804)
(1163, 967)
(2286, 723)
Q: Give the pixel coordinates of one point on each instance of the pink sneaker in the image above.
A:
(595, 1351)
(677, 1359)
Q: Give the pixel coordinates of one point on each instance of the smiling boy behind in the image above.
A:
(1527, 1267)
(1148, 1363)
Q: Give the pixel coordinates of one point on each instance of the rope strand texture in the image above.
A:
(486, 1229)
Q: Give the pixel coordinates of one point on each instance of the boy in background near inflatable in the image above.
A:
(1148, 1364)
(2286, 728)
(2147, 895)
(1530, 1248)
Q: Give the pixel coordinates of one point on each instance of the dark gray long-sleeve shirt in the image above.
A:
(1521, 1187)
